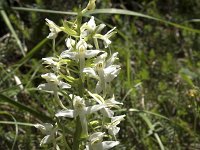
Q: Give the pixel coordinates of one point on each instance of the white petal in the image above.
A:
(109, 144)
(100, 27)
(107, 112)
(111, 73)
(91, 23)
(101, 58)
(53, 28)
(49, 61)
(98, 87)
(81, 44)
(50, 77)
(112, 102)
(110, 32)
(94, 108)
(47, 139)
(44, 128)
(91, 53)
(87, 147)
(69, 54)
(96, 136)
(106, 42)
(113, 130)
(70, 43)
(117, 118)
(64, 85)
(47, 87)
(66, 113)
(96, 97)
(111, 59)
(90, 72)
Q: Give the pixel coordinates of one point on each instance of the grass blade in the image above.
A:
(26, 58)
(16, 127)
(33, 112)
(108, 11)
(133, 13)
(18, 123)
(9, 25)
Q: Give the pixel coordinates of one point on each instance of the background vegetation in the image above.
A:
(159, 82)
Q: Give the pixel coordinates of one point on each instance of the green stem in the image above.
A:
(96, 43)
(77, 134)
(9, 25)
(54, 46)
(63, 134)
(78, 131)
(58, 100)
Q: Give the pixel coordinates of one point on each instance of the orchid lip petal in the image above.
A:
(90, 72)
(66, 113)
(69, 54)
(109, 144)
(91, 53)
(94, 108)
(64, 85)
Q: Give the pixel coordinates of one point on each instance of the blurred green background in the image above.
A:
(158, 84)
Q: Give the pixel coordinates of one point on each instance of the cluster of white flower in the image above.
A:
(81, 62)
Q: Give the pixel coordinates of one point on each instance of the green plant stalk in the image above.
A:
(63, 134)
(149, 124)
(16, 128)
(195, 116)
(54, 46)
(9, 25)
(128, 69)
(78, 130)
(58, 100)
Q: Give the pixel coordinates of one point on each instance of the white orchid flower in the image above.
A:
(109, 103)
(80, 54)
(96, 142)
(49, 131)
(103, 70)
(112, 127)
(80, 110)
(53, 83)
(52, 62)
(53, 28)
(88, 27)
(106, 37)
(70, 43)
